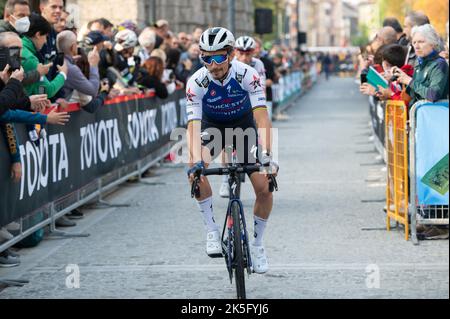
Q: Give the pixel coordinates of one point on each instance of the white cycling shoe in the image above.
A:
(213, 244)
(224, 190)
(259, 259)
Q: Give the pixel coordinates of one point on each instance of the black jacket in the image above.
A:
(12, 96)
(151, 82)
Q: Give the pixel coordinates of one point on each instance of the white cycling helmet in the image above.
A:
(215, 39)
(245, 43)
(125, 39)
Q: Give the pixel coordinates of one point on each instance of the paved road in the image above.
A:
(331, 188)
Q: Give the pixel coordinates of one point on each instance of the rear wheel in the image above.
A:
(238, 258)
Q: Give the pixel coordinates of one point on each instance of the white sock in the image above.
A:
(206, 209)
(225, 179)
(259, 227)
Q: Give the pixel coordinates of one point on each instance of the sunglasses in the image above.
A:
(219, 59)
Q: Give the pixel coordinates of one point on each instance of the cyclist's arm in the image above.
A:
(252, 83)
(194, 141)
(264, 128)
(194, 95)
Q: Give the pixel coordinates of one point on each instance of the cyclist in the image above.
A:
(245, 53)
(228, 94)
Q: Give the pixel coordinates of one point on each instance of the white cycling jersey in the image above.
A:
(258, 65)
(238, 95)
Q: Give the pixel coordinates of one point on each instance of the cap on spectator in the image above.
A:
(95, 37)
(161, 23)
(128, 24)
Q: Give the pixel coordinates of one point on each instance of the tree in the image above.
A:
(436, 10)
(362, 38)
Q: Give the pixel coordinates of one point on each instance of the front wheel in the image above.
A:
(238, 259)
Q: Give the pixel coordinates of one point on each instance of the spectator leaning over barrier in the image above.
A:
(161, 28)
(17, 14)
(430, 80)
(94, 39)
(151, 77)
(17, 20)
(51, 11)
(33, 41)
(168, 78)
(147, 41)
(122, 71)
(104, 26)
(189, 63)
(395, 24)
(387, 35)
(393, 55)
(88, 103)
(60, 26)
(185, 41)
(14, 97)
(85, 88)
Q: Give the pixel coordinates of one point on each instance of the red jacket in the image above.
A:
(396, 87)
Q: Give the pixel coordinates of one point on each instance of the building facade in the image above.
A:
(182, 15)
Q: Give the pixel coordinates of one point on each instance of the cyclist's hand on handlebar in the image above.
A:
(268, 162)
(196, 169)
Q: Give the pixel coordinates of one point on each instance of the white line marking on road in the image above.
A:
(275, 267)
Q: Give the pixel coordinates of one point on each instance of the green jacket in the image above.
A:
(30, 62)
(430, 80)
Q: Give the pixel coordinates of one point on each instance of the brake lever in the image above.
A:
(195, 188)
(273, 185)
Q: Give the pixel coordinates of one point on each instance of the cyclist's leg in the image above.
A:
(264, 198)
(262, 210)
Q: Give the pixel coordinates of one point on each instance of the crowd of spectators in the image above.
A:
(413, 60)
(50, 62)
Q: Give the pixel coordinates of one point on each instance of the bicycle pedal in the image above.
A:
(216, 256)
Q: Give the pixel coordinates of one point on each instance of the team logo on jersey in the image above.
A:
(205, 82)
(240, 77)
(190, 96)
(213, 93)
(256, 82)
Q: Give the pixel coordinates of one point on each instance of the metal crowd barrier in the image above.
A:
(285, 92)
(96, 189)
(396, 145)
(429, 203)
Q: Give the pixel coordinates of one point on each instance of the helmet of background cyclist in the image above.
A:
(245, 43)
(216, 39)
(125, 39)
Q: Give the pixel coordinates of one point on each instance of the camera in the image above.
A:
(10, 56)
(59, 59)
(42, 89)
(363, 78)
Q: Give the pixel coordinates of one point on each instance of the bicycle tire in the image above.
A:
(238, 251)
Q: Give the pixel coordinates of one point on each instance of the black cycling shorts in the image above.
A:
(241, 134)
